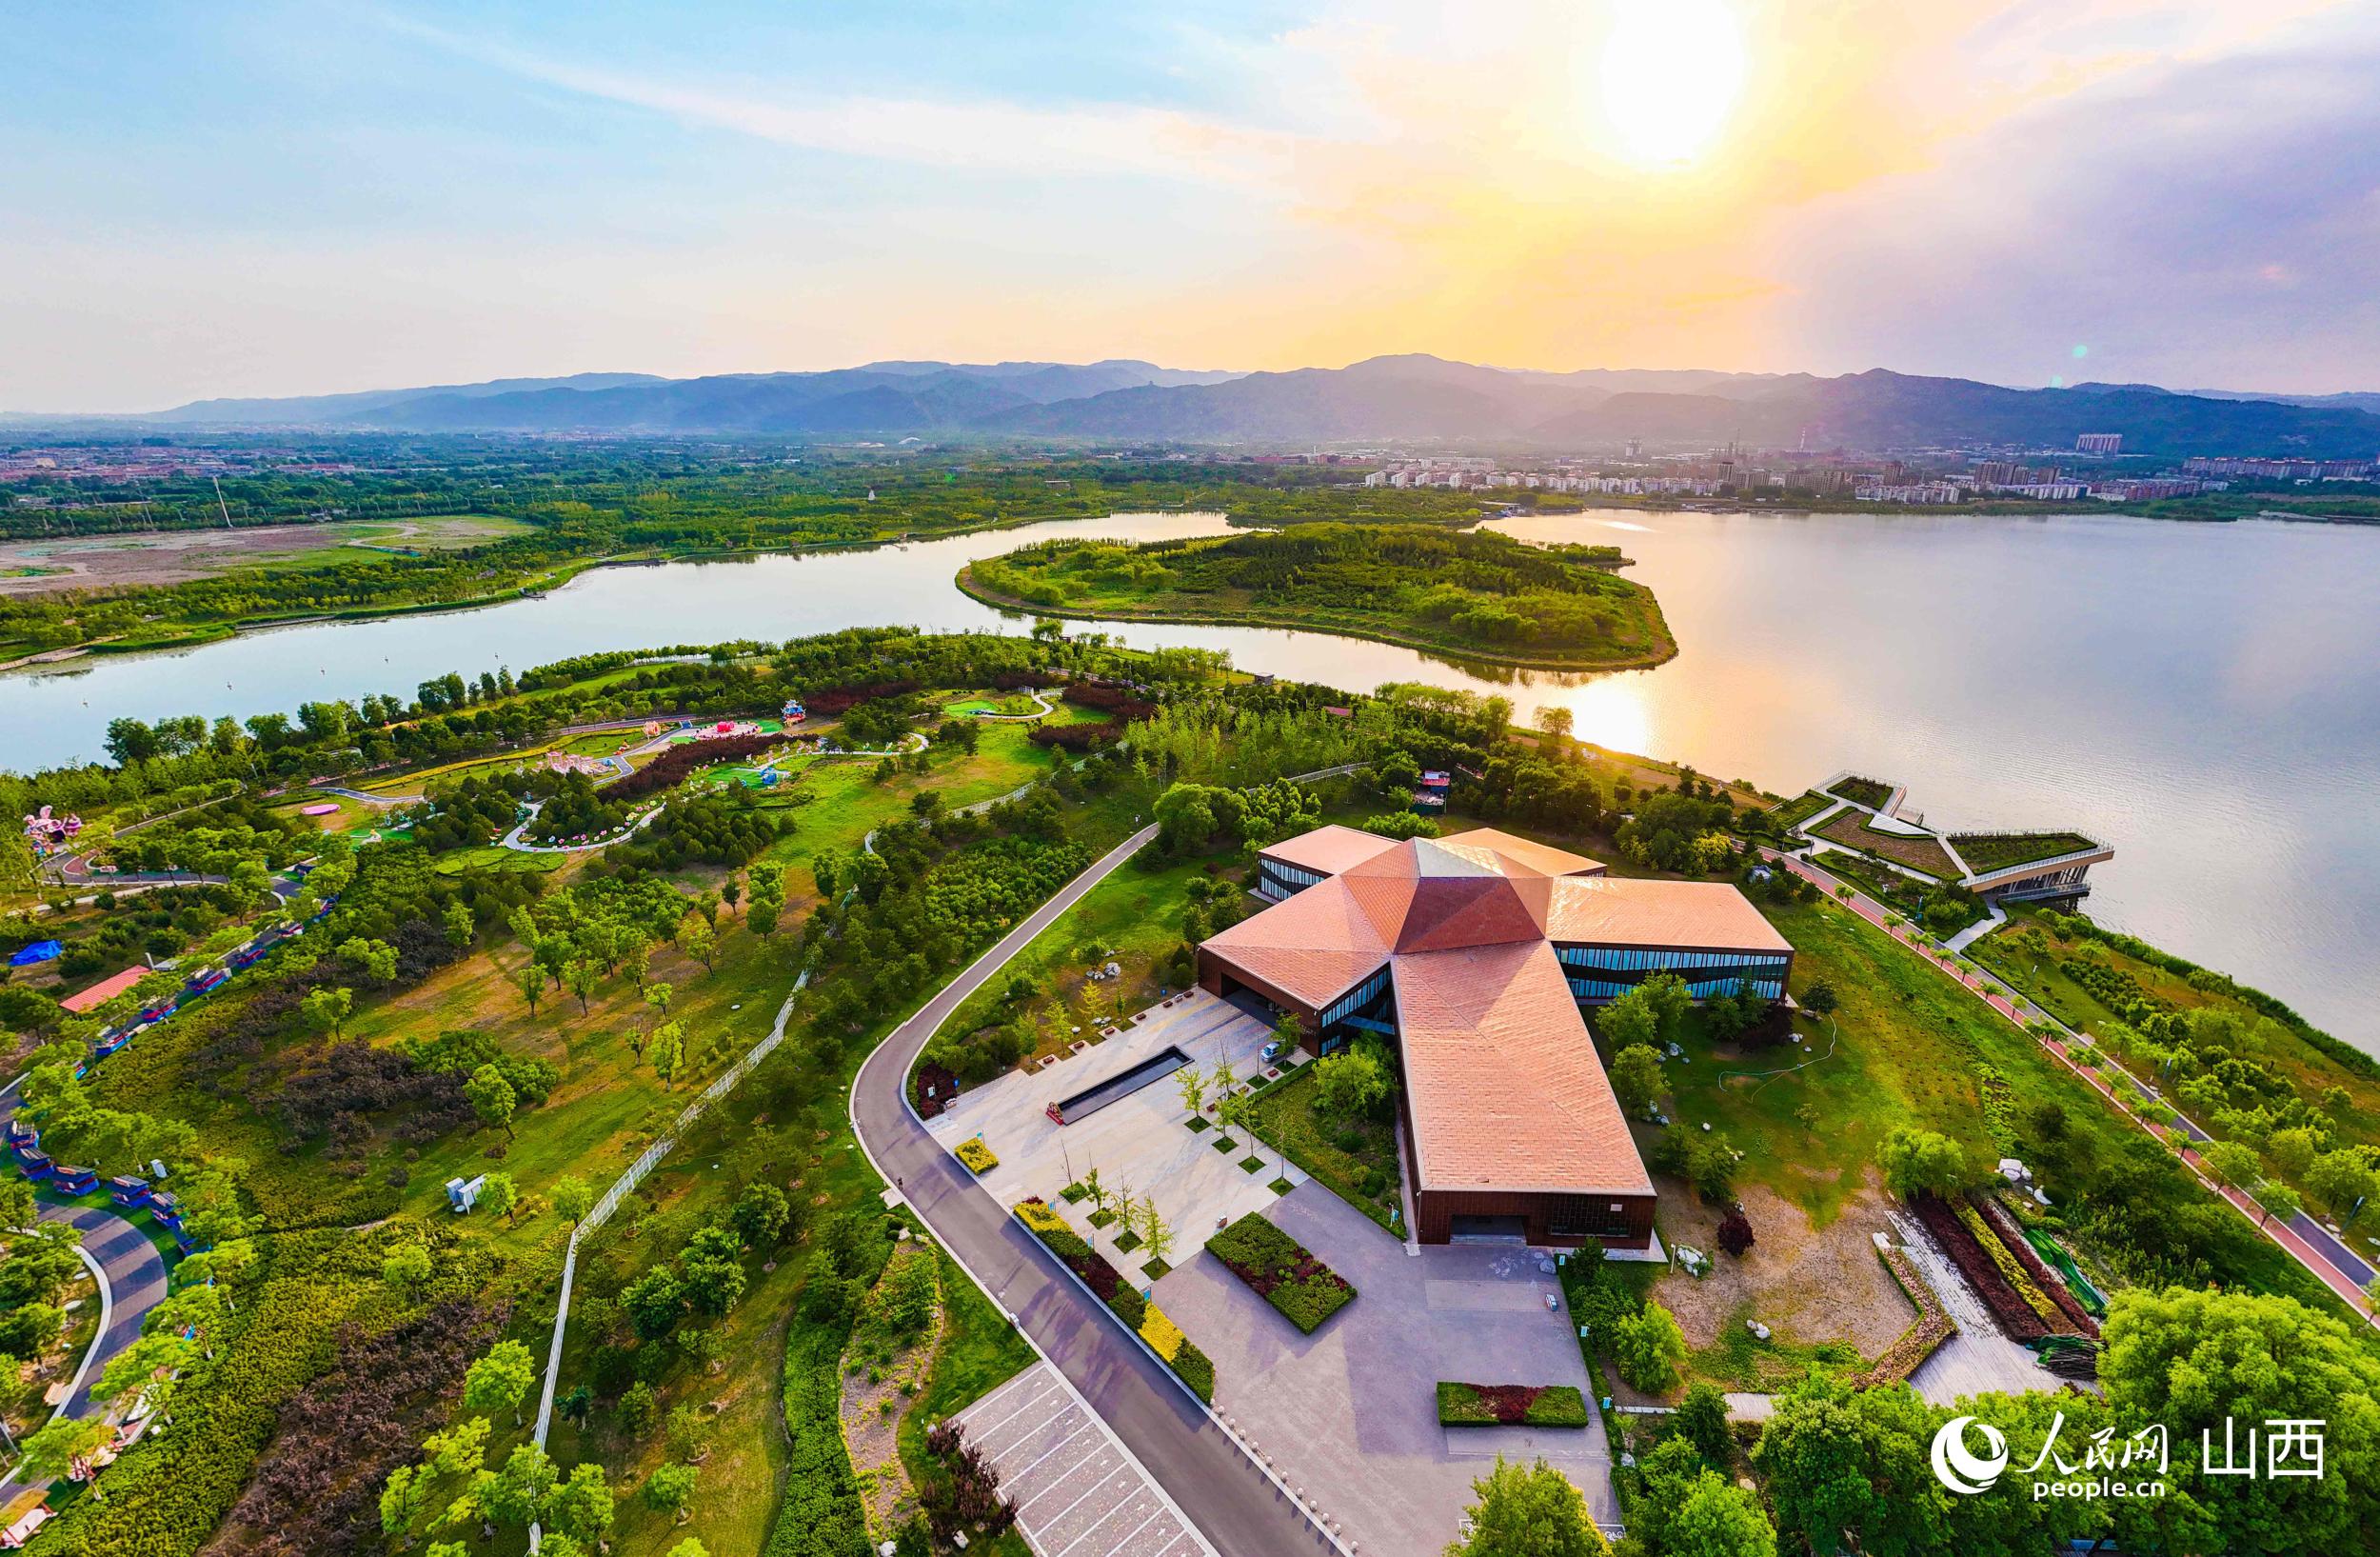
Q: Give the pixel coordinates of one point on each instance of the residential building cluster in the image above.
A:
(2264, 469)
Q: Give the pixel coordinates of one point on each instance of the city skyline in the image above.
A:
(288, 202)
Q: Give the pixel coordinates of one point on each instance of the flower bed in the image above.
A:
(2005, 1262)
(1934, 1326)
(1278, 1267)
(1142, 1317)
(1511, 1405)
(2069, 1308)
(978, 1156)
(2014, 1316)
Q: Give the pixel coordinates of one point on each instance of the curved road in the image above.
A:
(1206, 1475)
(136, 1283)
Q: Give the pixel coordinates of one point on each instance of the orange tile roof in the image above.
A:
(1544, 858)
(1329, 849)
(1312, 947)
(101, 993)
(1610, 910)
(1503, 1081)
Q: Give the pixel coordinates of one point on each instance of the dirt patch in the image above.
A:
(35, 565)
(877, 1388)
(1807, 1285)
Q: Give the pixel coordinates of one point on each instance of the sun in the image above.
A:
(1672, 70)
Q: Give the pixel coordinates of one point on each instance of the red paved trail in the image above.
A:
(1874, 913)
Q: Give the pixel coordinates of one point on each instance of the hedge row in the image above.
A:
(1281, 1270)
(1511, 1405)
(822, 1515)
(1915, 1345)
(1145, 1318)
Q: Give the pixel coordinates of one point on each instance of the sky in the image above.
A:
(285, 199)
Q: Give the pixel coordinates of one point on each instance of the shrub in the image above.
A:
(1511, 1405)
(1735, 1232)
(1141, 1317)
(1648, 1347)
(977, 1156)
(1281, 1271)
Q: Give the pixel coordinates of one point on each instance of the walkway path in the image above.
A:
(512, 840)
(2303, 1239)
(1173, 1437)
(131, 1280)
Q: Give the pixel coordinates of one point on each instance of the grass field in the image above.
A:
(1793, 813)
(1287, 1120)
(1987, 852)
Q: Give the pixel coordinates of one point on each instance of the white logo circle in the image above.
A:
(1960, 1471)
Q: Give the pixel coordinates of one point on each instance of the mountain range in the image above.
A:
(1411, 398)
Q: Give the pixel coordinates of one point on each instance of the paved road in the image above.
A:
(1214, 1482)
(136, 1281)
(2303, 1239)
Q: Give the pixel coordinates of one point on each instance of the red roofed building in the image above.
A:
(101, 993)
(1474, 955)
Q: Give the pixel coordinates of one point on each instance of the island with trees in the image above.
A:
(1474, 595)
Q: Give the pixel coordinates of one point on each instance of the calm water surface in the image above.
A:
(2205, 698)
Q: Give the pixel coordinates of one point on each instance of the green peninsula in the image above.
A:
(1474, 594)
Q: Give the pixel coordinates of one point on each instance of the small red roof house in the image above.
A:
(101, 993)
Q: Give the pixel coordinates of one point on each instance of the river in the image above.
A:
(2204, 697)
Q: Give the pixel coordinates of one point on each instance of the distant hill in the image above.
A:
(323, 409)
(1410, 398)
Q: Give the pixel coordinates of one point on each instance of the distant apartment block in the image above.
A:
(2099, 443)
(2280, 469)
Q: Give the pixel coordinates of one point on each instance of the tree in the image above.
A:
(581, 1506)
(2341, 1180)
(1820, 1000)
(61, 1450)
(2191, 1359)
(1528, 1512)
(1350, 1081)
(327, 1011)
(2231, 1163)
(500, 1380)
(1648, 1347)
(665, 1051)
(1701, 1420)
(689, 1547)
(1554, 722)
(499, 1195)
(658, 995)
(530, 981)
(1716, 1518)
(710, 1271)
(573, 1197)
(458, 925)
(2293, 1151)
(492, 1097)
(517, 1494)
(671, 1488)
(376, 960)
(760, 1215)
(697, 940)
(1921, 1162)
(404, 1498)
(1637, 1077)
(1157, 1236)
(654, 1302)
(1193, 1084)
(2278, 1200)
(580, 976)
(406, 1268)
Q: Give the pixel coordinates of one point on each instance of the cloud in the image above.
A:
(978, 137)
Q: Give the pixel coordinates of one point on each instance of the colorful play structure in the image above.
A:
(48, 834)
(794, 711)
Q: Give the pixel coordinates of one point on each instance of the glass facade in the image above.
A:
(1608, 972)
(1275, 880)
(1581, 1216)
(1373, 998)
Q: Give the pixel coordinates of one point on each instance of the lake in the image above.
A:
(2204, 697)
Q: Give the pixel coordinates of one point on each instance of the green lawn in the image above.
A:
(1918, 852)
(1365, 1177)
(980, 1351)
(1793, 813)
(1987, 852)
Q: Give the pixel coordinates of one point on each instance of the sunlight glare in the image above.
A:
(1670, 73)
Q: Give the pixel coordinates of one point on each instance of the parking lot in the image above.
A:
(1349, 1414)
(1075, 1491)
